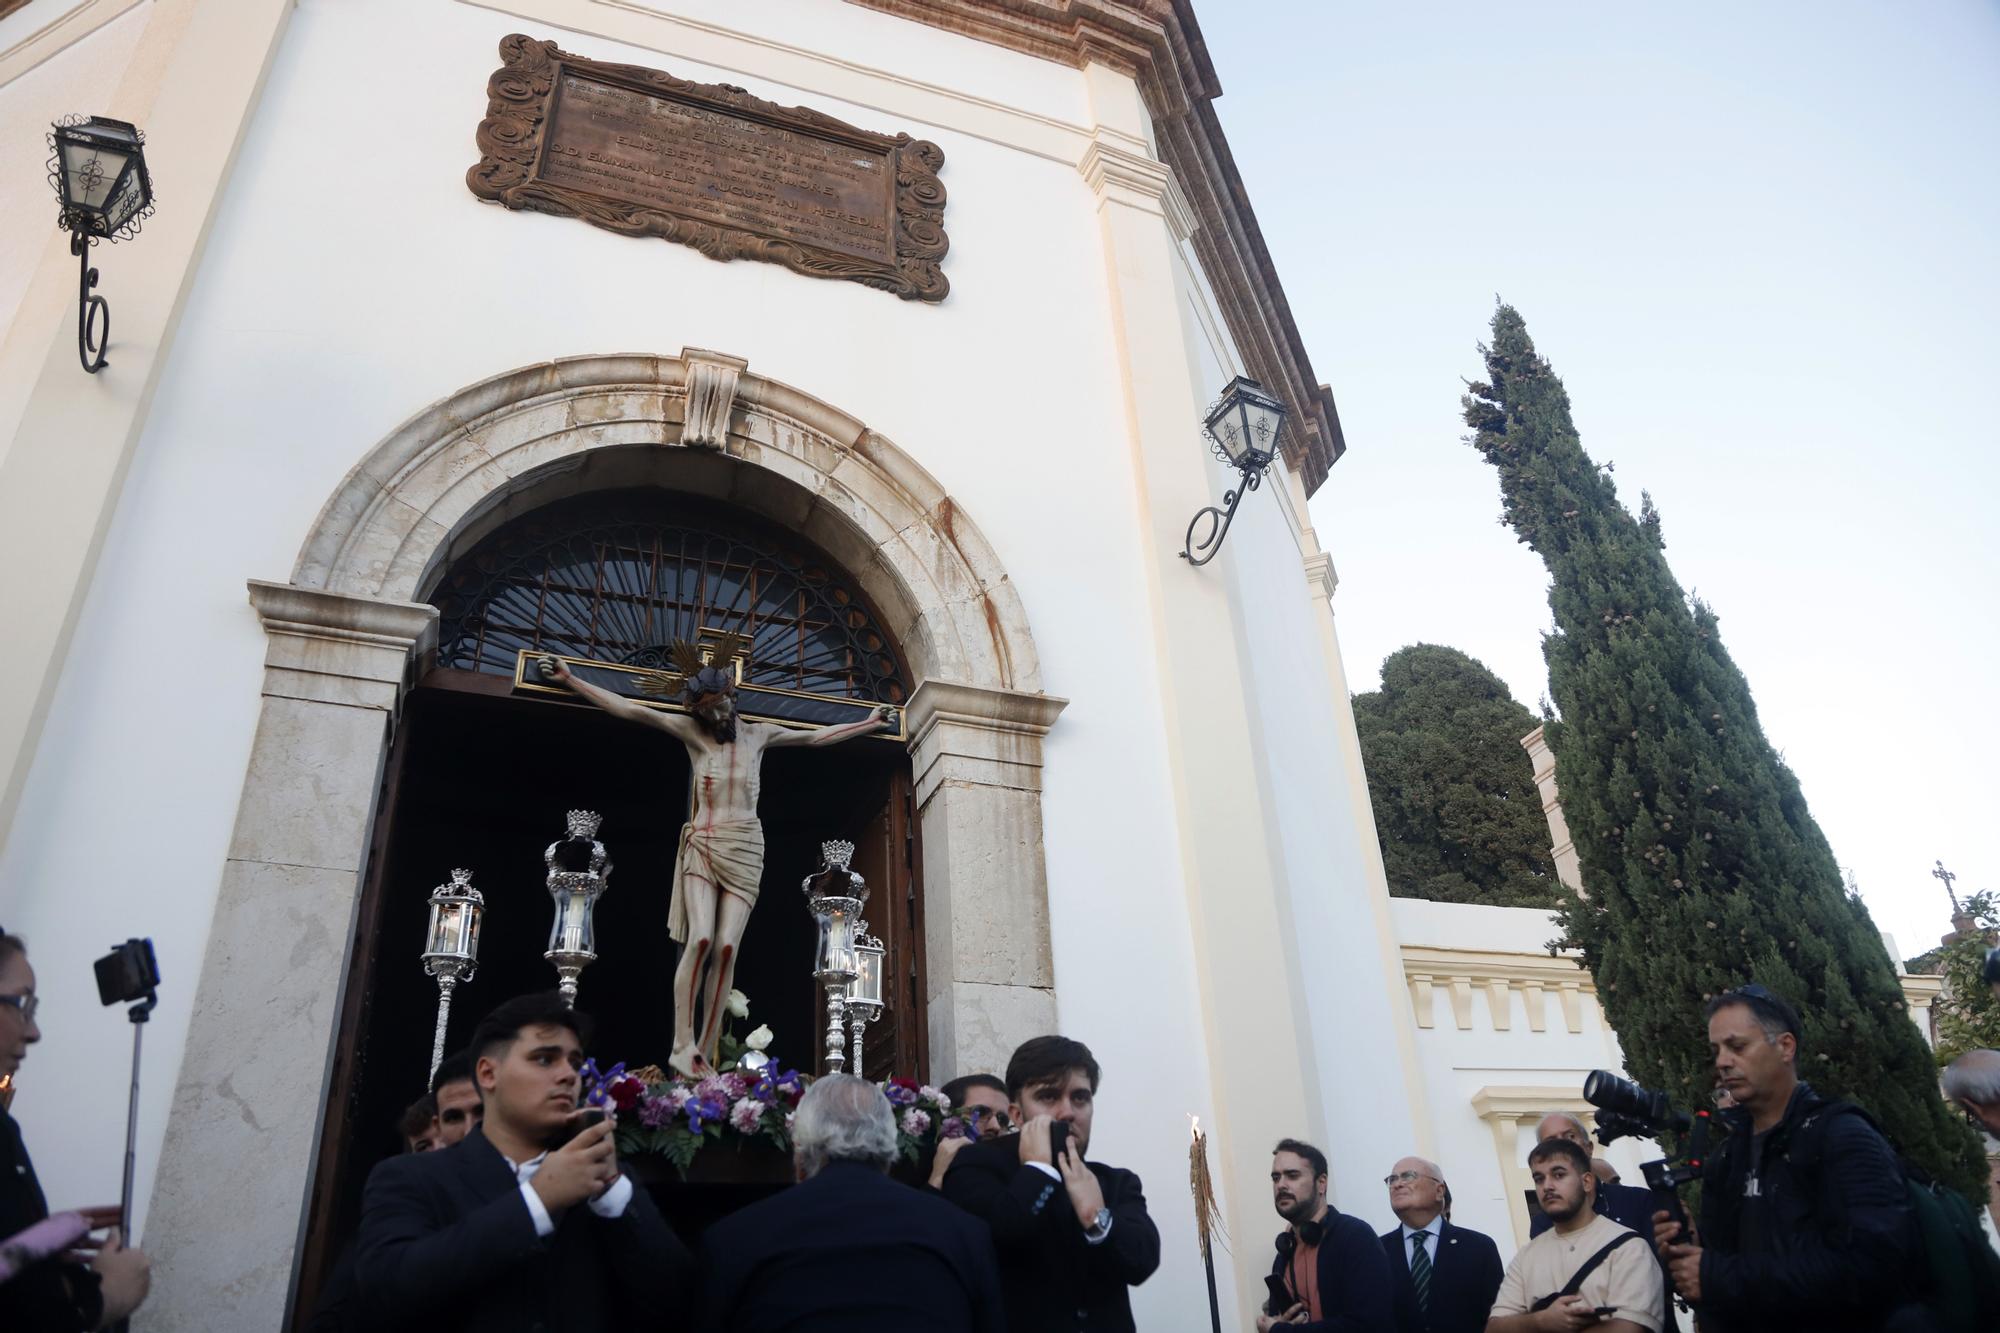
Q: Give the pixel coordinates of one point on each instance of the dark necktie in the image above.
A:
(1420, 1269)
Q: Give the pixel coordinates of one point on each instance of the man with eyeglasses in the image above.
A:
(1805, 1222)
(1444, 1276)
(1330, 1275)
(39, 1288)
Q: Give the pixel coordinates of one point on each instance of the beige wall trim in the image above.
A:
(1534, 976)
(1160, 46)
(241, 1129)
(1506, 1110)
(1320, 576)
(74, 441)
(1562, 849)
(59, 34)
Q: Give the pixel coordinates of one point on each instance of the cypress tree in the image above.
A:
(1703, 867)
(1454, 793)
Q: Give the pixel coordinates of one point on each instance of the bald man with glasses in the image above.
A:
(1443, 1277)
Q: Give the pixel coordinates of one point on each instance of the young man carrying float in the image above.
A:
(721, 862)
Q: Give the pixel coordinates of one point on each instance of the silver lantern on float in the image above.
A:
(451, 945)
(835, 896)
(864, 993)
(573, 935)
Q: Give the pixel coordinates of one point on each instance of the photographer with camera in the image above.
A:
(60, 1291)
(1805, 1222)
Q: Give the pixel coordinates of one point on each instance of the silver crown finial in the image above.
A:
(836, 854)
(583, 823)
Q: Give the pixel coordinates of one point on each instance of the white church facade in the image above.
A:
(265, 682)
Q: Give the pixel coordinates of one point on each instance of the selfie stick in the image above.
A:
(138, 1013)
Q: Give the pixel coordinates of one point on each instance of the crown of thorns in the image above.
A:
(698, 679)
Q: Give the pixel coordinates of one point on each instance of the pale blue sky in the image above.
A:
(1757, 240)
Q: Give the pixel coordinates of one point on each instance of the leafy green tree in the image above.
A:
(1704, 868)
(1968, 1017)
(1454, 792)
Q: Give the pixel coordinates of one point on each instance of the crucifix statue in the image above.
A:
(720, 866)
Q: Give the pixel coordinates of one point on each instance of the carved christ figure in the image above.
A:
(720, 866)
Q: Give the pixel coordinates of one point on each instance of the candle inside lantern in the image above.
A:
(836, 953)
(867, 987)
(574, 930)
(453, 938)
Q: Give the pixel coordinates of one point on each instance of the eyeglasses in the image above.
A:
(1405, 1178)
(27, 1004)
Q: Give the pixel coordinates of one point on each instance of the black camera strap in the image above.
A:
(1589, 1266)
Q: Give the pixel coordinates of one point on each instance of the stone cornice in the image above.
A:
(1159, 44)
(317, 613)
(1321, 576)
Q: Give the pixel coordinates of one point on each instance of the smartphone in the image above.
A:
(1606, 1311)
(576, 1124)
(129, 972)
(1058, 1139)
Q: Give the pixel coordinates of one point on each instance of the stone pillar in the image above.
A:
(977, 757)
(229, 1201)
(1569, 869)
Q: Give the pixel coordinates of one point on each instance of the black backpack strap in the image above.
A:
(1575, 1283)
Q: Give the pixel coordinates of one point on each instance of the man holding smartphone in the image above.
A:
(1585, 1271)
(526, 1223)
(1072, 1235)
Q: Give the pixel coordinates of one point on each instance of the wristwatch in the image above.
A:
(1099, 1225)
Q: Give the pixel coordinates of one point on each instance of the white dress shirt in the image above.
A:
(611, 1203)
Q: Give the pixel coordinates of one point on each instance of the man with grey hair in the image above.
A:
(848, 1250)
(1443, 1277)
(1973, 1081)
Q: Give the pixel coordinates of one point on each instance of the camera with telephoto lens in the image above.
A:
(1626, 1109)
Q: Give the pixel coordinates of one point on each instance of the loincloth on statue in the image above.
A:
(728, 854)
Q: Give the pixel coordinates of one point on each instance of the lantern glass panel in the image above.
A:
(91, 171)
(868, 977)
(835, 955)
(574, 931)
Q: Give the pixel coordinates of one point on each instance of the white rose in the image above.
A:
(738, 1004)
(760, 1038)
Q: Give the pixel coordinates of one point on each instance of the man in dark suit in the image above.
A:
(1072, 1235)
(512, 1227)
(1329, 1276)
(1446, 1281)
(1627, 1205)
(849, 1250)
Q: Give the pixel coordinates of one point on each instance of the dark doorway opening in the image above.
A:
(482, 779)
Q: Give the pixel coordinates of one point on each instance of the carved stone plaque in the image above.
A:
(641, 152)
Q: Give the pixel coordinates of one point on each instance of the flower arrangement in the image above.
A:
(750, 1099)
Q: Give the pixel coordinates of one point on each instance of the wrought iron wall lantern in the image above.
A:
(1244, 428)
(98, 168)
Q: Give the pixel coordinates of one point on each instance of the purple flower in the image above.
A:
(746, 1115)
(955, 1127)
(915, 1122)
(899, 1095)
(594, 1085)
(656, 1111)
(701, 1110)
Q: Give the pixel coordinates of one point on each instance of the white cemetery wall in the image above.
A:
(1503, 1040)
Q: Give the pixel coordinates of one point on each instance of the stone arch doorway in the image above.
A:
(343, 634)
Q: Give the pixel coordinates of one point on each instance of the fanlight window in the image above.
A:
(617, 578)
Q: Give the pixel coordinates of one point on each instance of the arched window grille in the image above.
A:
(617, 577)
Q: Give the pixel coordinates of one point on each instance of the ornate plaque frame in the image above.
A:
(515, 141)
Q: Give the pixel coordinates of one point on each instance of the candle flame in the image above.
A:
(1194, 1125)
